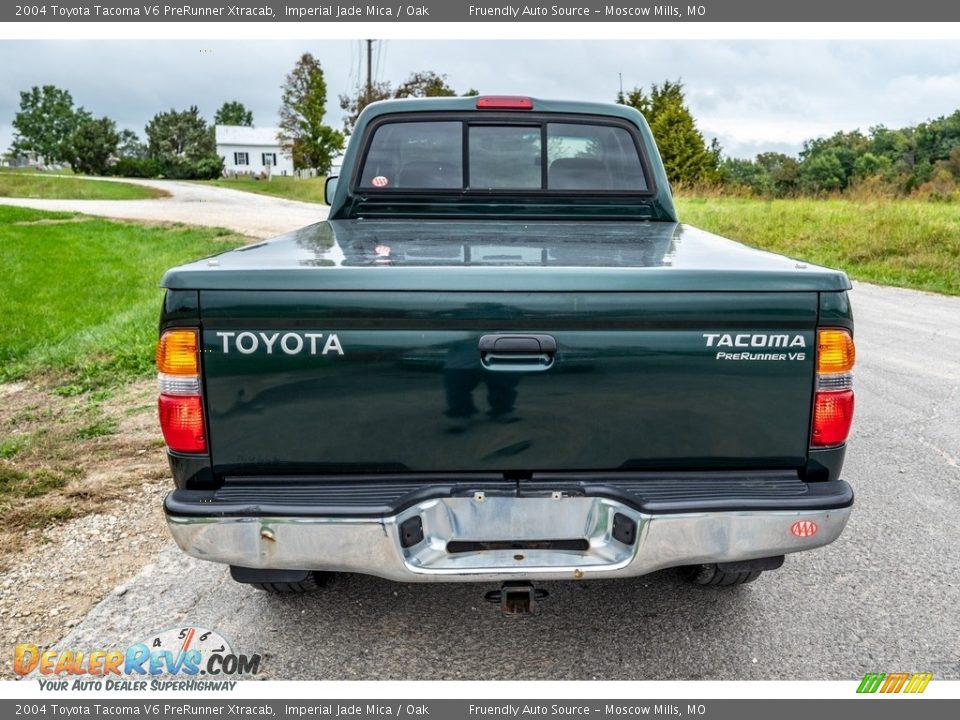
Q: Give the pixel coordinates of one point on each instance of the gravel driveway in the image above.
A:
(259, 216)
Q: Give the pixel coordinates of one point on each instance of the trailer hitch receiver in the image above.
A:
(517, 598)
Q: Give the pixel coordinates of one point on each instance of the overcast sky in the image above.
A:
(751, 95)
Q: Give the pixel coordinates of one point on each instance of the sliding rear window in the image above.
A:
(534, 156)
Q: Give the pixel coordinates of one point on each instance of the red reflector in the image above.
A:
(504, 103)
(832, 415)
(804, 528)
(181, 420)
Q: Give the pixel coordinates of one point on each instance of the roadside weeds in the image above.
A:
(81, 485)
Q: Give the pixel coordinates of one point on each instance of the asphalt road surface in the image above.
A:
(883, 598)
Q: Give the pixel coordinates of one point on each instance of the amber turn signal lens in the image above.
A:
(835, 351)
(177, 353)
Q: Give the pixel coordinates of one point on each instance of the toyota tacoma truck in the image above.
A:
(502, 359)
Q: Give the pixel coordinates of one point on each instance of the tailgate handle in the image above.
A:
(517, 353)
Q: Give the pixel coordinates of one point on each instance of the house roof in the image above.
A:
(241, 135)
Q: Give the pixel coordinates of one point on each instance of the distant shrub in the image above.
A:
(207, 168)
(135, 168)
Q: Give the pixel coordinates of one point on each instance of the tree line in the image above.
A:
(181, 144)
(923, 160)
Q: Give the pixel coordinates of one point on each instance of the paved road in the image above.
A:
(883, 598)
(259, 216)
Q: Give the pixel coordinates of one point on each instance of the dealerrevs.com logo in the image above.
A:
(185, 658)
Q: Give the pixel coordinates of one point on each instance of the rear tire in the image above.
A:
(711, 575)
(313, 582)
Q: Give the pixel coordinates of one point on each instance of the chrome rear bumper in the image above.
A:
(373, 546)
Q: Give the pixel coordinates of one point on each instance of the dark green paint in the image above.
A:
(627, 293)
(496, 255)
(835, 310)
(180, 306)
(191, 471)
(647, 394)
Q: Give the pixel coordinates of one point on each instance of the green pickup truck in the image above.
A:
(502, 359)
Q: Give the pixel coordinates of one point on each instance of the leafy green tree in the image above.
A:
(233, 112)
(822, 173)
(45, 121)
(870, 165)
(180, 135)
(130, 146)
(93, 145)
(933, 142)
(687, 158)
(845, 147)
(420, 84)
(746, 173)
(783, 171)
(180, 144)
(352, 105)
(953, 161)
(425, 84)
(303, 134)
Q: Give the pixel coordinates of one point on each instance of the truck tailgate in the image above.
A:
(314, 381)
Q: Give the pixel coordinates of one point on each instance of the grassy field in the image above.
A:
(81, 299)
(305, 189)
(19, 184)
(907, 243)
(80, 294)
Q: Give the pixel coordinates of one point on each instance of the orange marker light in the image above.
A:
(835, 351)
(177, 353)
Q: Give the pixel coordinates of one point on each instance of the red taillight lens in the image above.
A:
(181, 419)
(504, 103)
(832, 415)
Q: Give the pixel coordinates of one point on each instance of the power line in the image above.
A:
(350, 76)
(383, 45)
(369, 69)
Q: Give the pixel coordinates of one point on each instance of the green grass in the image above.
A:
(907, 243)
(20, 184)
(16, 484)
(291, 188)
(80, 295)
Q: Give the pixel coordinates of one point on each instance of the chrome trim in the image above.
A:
(372, 545)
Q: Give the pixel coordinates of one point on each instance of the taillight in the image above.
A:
(181, 419)
(833, 402)
(177, 353)
(181, 405)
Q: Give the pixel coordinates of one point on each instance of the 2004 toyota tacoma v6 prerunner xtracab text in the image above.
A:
(503, 359)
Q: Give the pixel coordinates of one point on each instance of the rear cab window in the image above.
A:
(525, 155)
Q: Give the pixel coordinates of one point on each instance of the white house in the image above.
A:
(250, 150)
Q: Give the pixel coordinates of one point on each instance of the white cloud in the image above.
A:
(751, 95)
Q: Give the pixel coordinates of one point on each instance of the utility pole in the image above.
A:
(369, 69)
